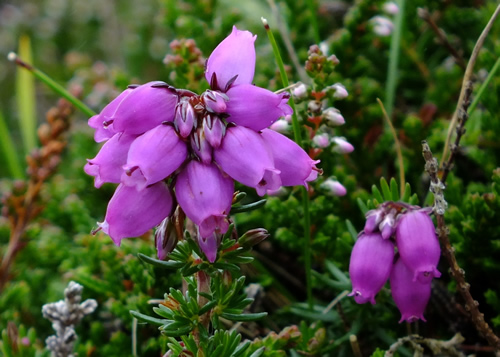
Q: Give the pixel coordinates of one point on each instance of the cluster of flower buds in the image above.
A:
(167, 147)
(383, 26)
(373, 260)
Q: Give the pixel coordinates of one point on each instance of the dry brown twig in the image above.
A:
(20, 206)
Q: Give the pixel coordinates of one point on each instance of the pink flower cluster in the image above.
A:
(410, 272)
(167, 147)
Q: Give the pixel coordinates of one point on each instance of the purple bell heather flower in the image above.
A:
(214, 130)
(296, 167)
(342, 146)
(165, 238)
(370, 266)
(146, 107)
(373, 219)
(411, 297)
(245, 156)
(209, 246)
(184, 118)
(233, 57)
(153, 156)
(107, 165)
(132, 213)
(205, 194)
(254, 107)
(418, 245)
(101, 122)
(215, 102)
(201, 146)
(388, 224)
(334, 187)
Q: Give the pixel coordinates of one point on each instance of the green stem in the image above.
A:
(56, 87)
(298, 140)
(481, 90)
(392, 75)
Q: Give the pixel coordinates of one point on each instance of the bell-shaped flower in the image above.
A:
(214, 130)
(185, 118)
(373, 219)
(333, 116)
(370, 266)
(102, 122)
(201, 147)
(233, 60)
(205, 194)
(132, 213)
(107, 165)
(296, 167)
(245, 156)
(411, 297)
(146, 107)
(418, 245)
(215, 102)
(153, 156)
(209, 246)
(254, 107)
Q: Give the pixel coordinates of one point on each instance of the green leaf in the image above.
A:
(385, 190)
(148, 319)
(259, 352)
(352, 231)
(243, 317)
(394, 190)
(209, 305)
(362, 206)
(407, 193)
(336, 272)
(248, 207)
(376, 193)
(240, 349)
(177, 332)
(10, 151)
(169, 264)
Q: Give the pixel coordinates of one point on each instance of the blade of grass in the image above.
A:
(9, 150)
(298, 140)
(49, 82)
(481, 90)
(25, 98)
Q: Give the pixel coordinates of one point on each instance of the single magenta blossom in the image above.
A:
(411, 297)
(370, 266)
(418, 245)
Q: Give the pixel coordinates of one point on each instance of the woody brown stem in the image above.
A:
(471, 305)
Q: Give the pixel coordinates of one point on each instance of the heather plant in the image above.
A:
(252, 194)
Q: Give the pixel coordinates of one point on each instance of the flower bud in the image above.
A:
(333, 116)
(334, 187)
(300, 91)
(342, 145)
(418, 245)
(280, 126)
(185, 117)
(165, 238)
(373, 218)
(321, 140)
(410, 296)
(382, 26)
(340, 91)
(388, 224)
(214, 130)
(370, 266)
(201, 147)
(215, 102)
(253, 237)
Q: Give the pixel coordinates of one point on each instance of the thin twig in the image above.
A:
(423, 13)
(462, 118)
(467, 78)
(431, 166)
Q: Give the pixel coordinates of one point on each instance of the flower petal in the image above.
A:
(153, 156)
(107, 165)
(254, 107)
(132, 213)
(296, 167)
(234, 56)
(245, 157)
(205, 194)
